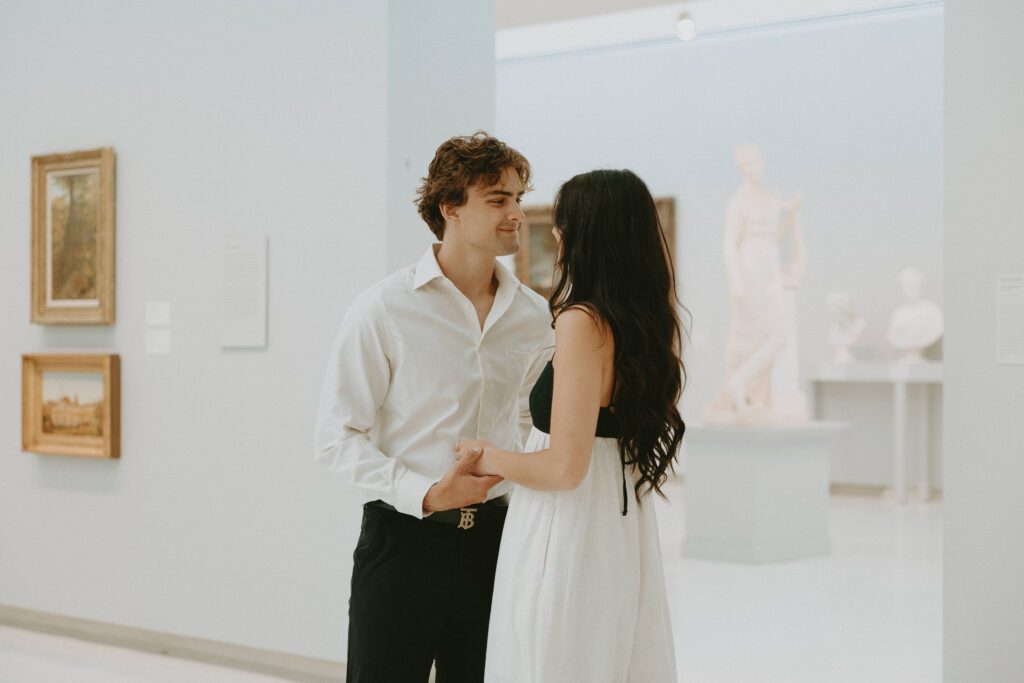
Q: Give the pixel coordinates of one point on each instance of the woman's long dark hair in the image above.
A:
(614, 263)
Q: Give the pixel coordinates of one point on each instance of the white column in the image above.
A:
(984, 423)
(440, 84)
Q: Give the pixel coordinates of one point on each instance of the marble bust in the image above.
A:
(846, 328)
(918, 323)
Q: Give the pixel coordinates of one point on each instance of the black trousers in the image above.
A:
(421, 594)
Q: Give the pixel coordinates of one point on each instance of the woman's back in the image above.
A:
(579, 591)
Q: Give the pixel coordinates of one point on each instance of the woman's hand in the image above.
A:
(459, 487)
(472, 454)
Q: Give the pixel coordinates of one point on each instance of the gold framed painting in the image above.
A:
(71, 404)
(535, 260)
(73, 238)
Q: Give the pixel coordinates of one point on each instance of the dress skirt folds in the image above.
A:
(579, 592)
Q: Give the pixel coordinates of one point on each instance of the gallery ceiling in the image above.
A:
(524, 12)
(513, 13)
(538, 28)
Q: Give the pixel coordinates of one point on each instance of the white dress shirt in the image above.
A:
(411, 372)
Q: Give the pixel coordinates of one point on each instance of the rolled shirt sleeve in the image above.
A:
(357, 381)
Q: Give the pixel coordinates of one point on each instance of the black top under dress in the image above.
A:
(540, 412)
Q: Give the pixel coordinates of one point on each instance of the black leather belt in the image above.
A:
(463, 518)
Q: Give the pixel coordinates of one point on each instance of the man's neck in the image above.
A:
(469, 270)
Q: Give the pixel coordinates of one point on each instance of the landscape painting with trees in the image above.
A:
(72, 231)
(73, 238)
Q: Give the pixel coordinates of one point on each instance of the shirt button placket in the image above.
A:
(480, 430)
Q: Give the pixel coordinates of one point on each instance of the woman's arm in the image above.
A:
(582, 348)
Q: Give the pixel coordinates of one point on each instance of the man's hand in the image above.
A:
(476, 451)
(458, 487)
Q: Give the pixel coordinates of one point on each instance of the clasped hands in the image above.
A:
(470, 454)
(467, 483)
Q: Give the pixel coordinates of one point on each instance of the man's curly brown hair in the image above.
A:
(460, 163)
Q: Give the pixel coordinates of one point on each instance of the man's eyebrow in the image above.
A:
(503, 193)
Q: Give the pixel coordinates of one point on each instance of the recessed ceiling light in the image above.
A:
(686, 27)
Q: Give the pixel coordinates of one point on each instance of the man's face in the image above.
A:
(491, 217)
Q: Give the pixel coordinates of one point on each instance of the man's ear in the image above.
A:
(449, 212)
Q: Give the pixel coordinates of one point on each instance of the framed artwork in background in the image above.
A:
(73, 238)
(535, 260)
(71, 404)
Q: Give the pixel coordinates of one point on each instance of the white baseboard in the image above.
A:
(291, 667)
(881, 492)
(842, 489)
(866, 490)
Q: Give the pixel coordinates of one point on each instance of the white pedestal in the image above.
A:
(899, 375)
(758, 494)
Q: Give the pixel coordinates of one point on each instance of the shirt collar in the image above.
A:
(506, 278)
(428, 269)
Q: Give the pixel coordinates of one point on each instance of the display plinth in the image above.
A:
(902, 376)
(758, 494)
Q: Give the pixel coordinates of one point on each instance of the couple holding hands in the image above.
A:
(507, 534)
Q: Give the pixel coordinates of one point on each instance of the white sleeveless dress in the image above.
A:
(579, 592)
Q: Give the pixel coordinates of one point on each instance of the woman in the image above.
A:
(579, 591)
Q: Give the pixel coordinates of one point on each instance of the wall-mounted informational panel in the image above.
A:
(244, 297)
(1010, 320)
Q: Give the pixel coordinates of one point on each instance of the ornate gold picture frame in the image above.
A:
(535, 260)
(73, 238)
(71, 404)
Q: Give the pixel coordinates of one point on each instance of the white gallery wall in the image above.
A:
(438, 86)
(227, 117)
(849, 112)
(984, 546)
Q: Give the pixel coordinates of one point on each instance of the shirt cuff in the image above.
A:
(409, 493)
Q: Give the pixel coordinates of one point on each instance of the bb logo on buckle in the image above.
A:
(468, 518)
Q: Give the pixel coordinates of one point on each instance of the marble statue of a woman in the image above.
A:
(917, 324)
(761, 369)
(846, 328)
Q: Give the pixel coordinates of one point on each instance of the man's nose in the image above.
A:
(518, 214)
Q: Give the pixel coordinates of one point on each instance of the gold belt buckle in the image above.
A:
(468, 518)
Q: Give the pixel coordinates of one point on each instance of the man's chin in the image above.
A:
(508, 249)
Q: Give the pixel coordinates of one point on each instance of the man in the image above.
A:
(442, 350)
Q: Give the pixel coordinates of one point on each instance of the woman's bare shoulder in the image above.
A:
(581, 327)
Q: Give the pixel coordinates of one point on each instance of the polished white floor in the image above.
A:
(28, 657)
(869, 612)
(872, 611)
